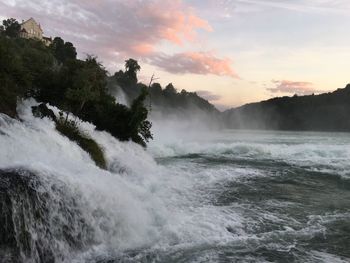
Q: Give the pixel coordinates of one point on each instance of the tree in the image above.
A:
(57, 47)
(131, 69)
(11, 27)
(69, 51)
(88, 85)
(29, 68)
(169, 89)
(63, 51)
(140, 127)
(156, 89)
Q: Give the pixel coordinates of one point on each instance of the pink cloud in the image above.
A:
(142, 49)
(195, 62)
(118, 29)
(172, 20)
(293, 87)
(133, 28)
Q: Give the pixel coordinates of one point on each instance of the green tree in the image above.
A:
(131, 69)
(57, 47)
(156, 88)
(140, 127)
(28, 68)
(11, 27)
(88, 85)
(63, 51)
(169, 89)
(69, 51)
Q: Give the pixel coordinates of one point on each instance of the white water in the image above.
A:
(133, 215)
(319, 151)
(141, 205)
(119, 95)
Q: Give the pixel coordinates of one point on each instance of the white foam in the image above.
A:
(323, 152)
(318, 256)
(136, 203)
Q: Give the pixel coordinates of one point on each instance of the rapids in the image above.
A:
(215, 196)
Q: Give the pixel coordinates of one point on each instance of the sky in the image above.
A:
(231, 52)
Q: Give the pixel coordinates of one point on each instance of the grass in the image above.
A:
(71, 131)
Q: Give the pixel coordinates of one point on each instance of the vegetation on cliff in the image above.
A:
(54, 75)
(72, 132)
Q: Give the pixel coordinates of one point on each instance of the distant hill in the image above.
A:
(324, 112)
(166, 99)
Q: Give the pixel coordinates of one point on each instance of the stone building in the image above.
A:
(31, 29)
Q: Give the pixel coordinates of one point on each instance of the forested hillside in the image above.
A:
(324, 112)
(56, 76)
(165, 98)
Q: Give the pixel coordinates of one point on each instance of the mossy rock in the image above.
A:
(71, 131)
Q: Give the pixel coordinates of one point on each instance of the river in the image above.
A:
(223, 196)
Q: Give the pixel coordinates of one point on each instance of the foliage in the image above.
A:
(139, 125)
(21, 62)
(88, 84)
(131, 69)
(70, 129)
(129, 77)
(63, 50)
(324, 112)
(170, 89)
(53, 75)
(11, 27)
(166, 99)
(42, 111)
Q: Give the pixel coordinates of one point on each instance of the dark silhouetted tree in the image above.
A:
(140, 127)
(69, 51)
(11, 27)
(169, 89)
(63, 51)
(88, 84)
(131, 69)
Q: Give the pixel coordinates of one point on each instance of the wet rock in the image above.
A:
(39, 221)
(42, 111)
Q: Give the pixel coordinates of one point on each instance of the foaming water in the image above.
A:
(327, 152)
(118, 93)
(119, 207)
(210, 197)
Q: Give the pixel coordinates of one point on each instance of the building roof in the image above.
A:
(32, 19)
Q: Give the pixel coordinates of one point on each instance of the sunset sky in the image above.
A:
(230, 51)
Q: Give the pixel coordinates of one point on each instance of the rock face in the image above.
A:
(39, 220)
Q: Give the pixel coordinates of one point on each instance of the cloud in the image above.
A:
(112, 27)
(208, 95)
(194, 62)
(325, 6)
(115, 30)
(293, 87)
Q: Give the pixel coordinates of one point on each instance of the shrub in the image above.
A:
(70, 129)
